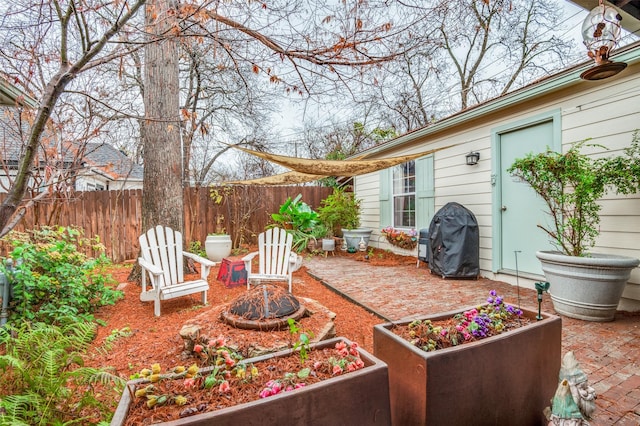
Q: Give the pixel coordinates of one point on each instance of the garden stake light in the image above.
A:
(541, 287)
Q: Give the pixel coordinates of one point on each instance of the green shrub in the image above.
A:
(340, 210)
(53, 281)
(43, 380)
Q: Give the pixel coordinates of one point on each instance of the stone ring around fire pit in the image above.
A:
(265, 308)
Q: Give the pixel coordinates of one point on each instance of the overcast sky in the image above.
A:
(289, 120)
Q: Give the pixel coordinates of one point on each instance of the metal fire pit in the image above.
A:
(266, 307)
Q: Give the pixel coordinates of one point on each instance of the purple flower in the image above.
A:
(493, 293)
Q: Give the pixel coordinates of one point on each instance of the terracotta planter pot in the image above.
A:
(357, 398)
(504, 379)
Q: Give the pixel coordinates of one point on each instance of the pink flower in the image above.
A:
(265, 393)
(353, 350)
(189, 383)
(343, 352)
(289, 388)
(317, 365)
(230, 362)
(227, 374)
(341, 345)
(198, 349)
(359, 363)
(224, 387)
(299, 385)
(444, 332)
(221, 341)
(337, 369)
(352, 367)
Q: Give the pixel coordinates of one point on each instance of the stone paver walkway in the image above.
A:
(608, 352)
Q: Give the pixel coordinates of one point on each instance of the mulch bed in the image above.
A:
(133, 338)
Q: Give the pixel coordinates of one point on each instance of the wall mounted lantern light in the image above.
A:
(600, 33)
(472, 158)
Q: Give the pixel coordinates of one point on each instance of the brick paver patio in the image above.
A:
(608, 352)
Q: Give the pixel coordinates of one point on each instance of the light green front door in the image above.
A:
(519, 210)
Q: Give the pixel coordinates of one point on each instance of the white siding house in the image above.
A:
(556, 112)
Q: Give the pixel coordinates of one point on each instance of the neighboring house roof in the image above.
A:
(100, 158)
(629, 54)
(11, 95)
(112, 162)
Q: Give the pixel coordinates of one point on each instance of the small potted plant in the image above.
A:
(340, 212)
(584, 285)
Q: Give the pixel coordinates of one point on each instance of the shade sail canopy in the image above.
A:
(288, 178)
(307, 170)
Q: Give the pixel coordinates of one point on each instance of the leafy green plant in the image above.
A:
(195, 247)
(303, 344)
(340, 210)
(53, 281)
(571, 184)
(43, 379)
(115, 335)
(296, 214)
(298, 219)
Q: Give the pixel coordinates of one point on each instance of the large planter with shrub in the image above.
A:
(504, 379)
(360, 397)
(218, 246)
(582, 284)
(588, 288)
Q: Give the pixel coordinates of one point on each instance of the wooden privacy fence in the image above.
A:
(116, 216)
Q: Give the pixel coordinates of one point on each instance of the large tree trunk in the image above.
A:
(162, 203)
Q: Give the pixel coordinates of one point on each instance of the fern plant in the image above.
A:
(44, 380)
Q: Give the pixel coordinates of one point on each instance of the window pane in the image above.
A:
(404, 211)
(404, 199)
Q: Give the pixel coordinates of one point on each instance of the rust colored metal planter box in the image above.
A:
(506, 379)
(357, 398)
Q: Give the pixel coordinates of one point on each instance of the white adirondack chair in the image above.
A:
(276, 261)
(162, 258)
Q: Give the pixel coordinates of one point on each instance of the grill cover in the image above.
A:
(454, 243)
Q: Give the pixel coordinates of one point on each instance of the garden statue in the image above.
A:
(574, 400)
